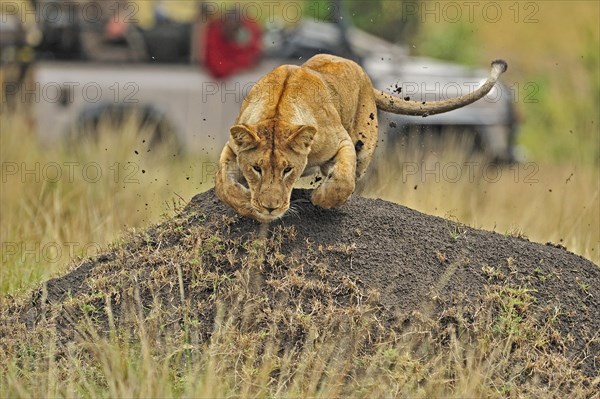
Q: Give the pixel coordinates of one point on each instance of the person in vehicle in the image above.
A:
(231, 44)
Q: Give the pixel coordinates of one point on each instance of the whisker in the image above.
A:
(293, 210)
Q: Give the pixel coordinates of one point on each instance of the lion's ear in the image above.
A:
(302, 138)
(243, 137)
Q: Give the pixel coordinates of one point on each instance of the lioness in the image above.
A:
(296, 119)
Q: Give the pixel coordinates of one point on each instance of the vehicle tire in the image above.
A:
(156, 127)
(497, 143)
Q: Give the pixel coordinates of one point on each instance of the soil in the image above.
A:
(404, 262)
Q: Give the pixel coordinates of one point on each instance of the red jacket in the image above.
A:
(225, 57)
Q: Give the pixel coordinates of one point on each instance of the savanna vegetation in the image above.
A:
(64, 201)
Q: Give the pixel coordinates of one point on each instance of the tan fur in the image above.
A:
(320, 115)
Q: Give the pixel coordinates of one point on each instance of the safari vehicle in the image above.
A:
(74, 89)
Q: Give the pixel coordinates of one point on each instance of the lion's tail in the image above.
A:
(397, 105)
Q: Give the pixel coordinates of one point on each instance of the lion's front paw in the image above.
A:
(332, 194)
(235, 195)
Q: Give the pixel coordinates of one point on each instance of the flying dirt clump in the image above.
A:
(368, 259)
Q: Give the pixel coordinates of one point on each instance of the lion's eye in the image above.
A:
(287, 170)
(257, 169)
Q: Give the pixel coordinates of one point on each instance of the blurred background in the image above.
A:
(113, 112)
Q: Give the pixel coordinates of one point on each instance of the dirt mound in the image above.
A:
(378, 257)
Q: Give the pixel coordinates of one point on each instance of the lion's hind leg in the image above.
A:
(364, 133)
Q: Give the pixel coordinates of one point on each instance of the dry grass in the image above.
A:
(62, 200)
(239, 364)
(318, 334)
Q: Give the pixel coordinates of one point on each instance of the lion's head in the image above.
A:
(271, 157)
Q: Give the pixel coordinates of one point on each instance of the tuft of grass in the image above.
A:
(513, 306)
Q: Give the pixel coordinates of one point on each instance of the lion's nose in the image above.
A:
(270, 206)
